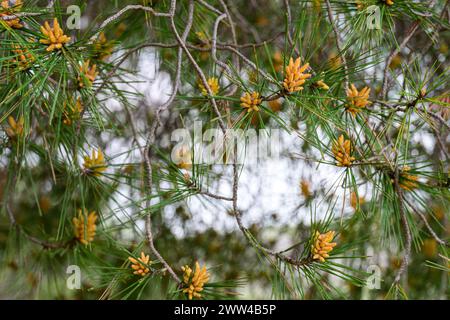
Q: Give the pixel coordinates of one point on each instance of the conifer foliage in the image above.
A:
(355, 205)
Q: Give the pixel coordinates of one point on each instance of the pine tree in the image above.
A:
(91, 174)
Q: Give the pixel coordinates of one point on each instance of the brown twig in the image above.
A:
(409, 34)
(152, 134)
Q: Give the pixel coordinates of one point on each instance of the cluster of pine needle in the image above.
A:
(88, 177)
